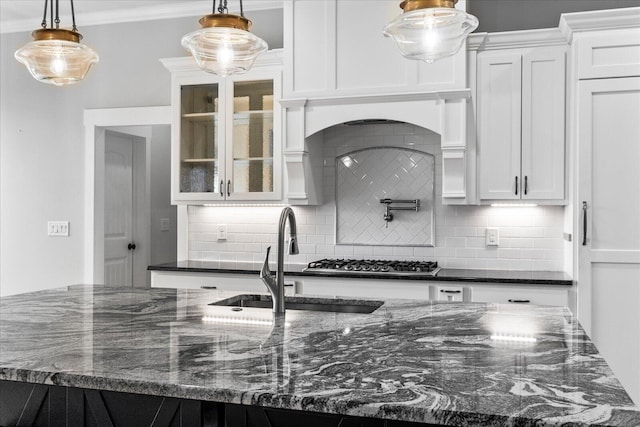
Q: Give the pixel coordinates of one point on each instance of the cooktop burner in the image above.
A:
(374, 267)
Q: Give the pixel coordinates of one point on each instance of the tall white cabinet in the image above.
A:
(521, 124)
(607, 197)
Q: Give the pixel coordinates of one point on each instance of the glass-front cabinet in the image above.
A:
(226, 134)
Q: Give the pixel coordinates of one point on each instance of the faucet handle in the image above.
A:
(265, 273)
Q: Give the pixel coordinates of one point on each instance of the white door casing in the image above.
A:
(608, 145)
(95, 122)
(118, 209)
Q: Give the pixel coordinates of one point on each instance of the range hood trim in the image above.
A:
(442, 112)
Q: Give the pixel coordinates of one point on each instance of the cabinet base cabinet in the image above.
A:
(26, 404)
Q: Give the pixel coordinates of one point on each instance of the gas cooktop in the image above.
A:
(375, 267)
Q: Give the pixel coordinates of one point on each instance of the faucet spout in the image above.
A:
(275, 285)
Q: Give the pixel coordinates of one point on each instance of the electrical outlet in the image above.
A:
(222, 232)
(492, 237)
(58, 228)
(164, 224)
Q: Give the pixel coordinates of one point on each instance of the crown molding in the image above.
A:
(179, 9)
(516, 39)
(609, 19)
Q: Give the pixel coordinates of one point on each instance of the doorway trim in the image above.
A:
(95, 123)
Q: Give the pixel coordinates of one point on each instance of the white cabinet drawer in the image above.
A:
(214, 281)
(518, 294)
(365, 288)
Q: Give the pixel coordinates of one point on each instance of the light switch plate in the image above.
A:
(492, 236)
(164, 224)
(58, 228)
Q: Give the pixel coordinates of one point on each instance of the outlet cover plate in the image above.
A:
(492, 236)
(222, 231)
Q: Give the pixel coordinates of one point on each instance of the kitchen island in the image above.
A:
(472, 364)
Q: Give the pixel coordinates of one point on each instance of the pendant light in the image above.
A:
(56, 55)
(224, 44)
(430, 29)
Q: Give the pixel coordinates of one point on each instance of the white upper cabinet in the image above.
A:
(226, 133)
(521, 124)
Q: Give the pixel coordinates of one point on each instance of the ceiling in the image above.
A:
(494, 15)
(25, 15)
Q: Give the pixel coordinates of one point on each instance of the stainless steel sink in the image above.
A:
(333, 305)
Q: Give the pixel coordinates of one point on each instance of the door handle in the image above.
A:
(584, 223)
(221, 188)
(131, 246)
(519, 301)
(516, 185)
(526, 185)
(448, 291)
(229, 188)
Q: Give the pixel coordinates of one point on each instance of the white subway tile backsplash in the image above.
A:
(530, 238)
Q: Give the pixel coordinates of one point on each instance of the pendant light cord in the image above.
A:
(44, 17)
(73, 17)
(49, 7)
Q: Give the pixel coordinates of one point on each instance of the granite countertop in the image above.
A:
(473, 364)
(445, 274)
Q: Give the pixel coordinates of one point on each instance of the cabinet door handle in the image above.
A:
(516, 185)
(447, 291)
(229, 188)
(526, 185)
(208, 287)
(584, 223)
(221, 188)
(519, 301)
(289, 285)
(131, 246)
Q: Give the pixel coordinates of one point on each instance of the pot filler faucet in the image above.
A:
(275, 283)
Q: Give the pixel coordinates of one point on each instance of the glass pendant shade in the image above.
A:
(224, 45)
(430, 33)
(57, 57)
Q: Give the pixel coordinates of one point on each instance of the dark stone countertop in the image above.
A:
(445, 274)
(472, 364)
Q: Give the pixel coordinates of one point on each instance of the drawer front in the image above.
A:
(223, 282)
(521, 295)
(363, 288)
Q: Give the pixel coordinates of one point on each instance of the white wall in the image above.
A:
(163, 243)
(530, 237)
(41, 139)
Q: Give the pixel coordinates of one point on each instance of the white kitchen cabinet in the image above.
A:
(521, 294)
(608, 207)
(215, 281)
(226, 133)
(521, 124)
(605, 206)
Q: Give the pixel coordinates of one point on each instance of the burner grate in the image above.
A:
(373, 266)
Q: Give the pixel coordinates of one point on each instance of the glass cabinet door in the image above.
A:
(252, 138)
(199, 148)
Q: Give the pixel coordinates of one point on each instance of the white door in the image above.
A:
(118, 210)
(609, 236)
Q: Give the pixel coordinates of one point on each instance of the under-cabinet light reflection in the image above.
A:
(512, 338)
(239, 321)
(512, 205)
